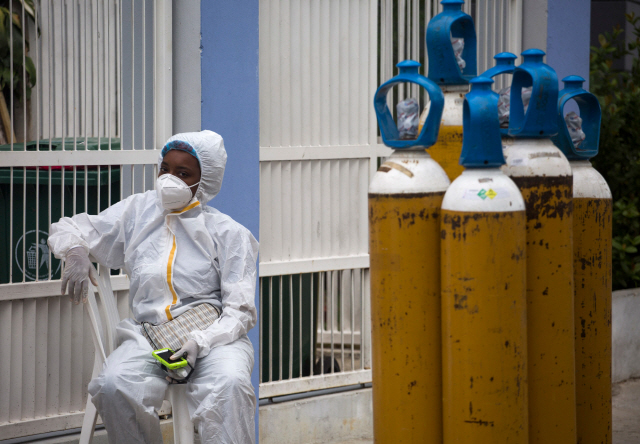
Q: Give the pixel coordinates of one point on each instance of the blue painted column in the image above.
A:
(229, 69)
(568, 37)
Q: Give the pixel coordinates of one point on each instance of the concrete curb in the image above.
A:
(625, 316)
(100, 436)
(340, 418)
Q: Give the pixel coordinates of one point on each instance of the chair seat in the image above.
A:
(104, 318)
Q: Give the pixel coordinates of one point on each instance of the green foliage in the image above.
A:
(619, 160)
(12, 24)
(626, 260)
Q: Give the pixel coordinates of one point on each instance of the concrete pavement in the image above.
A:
(626, 412)
(626, 420)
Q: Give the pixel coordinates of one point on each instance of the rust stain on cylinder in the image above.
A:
(484, 327)
(550, 308)
(404, 236)
(592, 274)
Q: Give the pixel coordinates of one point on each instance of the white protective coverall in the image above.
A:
(175, 260)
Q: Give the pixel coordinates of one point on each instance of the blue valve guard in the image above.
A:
(540, 119)
(505, 64)
(481, 140)
(443, 68)
(591, 115)
(388, 129)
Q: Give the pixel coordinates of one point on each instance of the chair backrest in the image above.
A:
(103, 313)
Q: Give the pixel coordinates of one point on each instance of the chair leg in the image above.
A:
(89, 422)
(182, 425)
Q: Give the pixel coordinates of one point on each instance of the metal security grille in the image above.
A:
(320, 63)
(312, 331)
(87, 89)
(318, 150)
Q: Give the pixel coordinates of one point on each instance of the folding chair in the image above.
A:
(103, 314)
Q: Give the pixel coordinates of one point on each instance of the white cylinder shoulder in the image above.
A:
(453, 101)
(588, 182)
(483, 190)
(533, 157)
(409, 172)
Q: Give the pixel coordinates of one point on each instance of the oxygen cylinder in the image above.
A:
(451, 69)
(592, 212)
(404, 242)
(543, 175)
(483, 288)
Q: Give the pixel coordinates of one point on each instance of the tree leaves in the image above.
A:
(24, 74)
(618, 92)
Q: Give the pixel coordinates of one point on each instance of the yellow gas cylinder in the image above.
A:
(451, 47)
(543, 176)
(404, 244)
(483, 288)
(592, 213)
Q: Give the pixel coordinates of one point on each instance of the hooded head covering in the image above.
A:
(212, 156)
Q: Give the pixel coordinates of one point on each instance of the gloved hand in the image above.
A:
(189, 351)
(77, 272)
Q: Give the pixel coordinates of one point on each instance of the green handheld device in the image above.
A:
(164, 357)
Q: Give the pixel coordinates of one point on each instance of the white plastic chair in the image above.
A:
(103, 314)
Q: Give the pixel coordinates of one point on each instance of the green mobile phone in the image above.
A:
(164, 356)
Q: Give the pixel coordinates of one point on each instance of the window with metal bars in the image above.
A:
(79, 86)
(87, 87)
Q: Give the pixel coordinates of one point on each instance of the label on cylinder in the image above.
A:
(486, 193)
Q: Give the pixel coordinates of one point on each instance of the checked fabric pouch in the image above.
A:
(173, 334)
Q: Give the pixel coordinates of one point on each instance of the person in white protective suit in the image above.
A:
(178, 253)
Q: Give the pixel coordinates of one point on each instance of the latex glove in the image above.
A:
(77, 272)
(189, 351)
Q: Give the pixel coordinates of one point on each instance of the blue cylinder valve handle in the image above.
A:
(388, 129)
(452, 22)
(590, 114)
(481, 143)
(539, 120)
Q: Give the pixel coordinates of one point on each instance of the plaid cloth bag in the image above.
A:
(173, 334)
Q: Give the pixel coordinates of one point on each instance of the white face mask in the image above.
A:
(173, 193)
